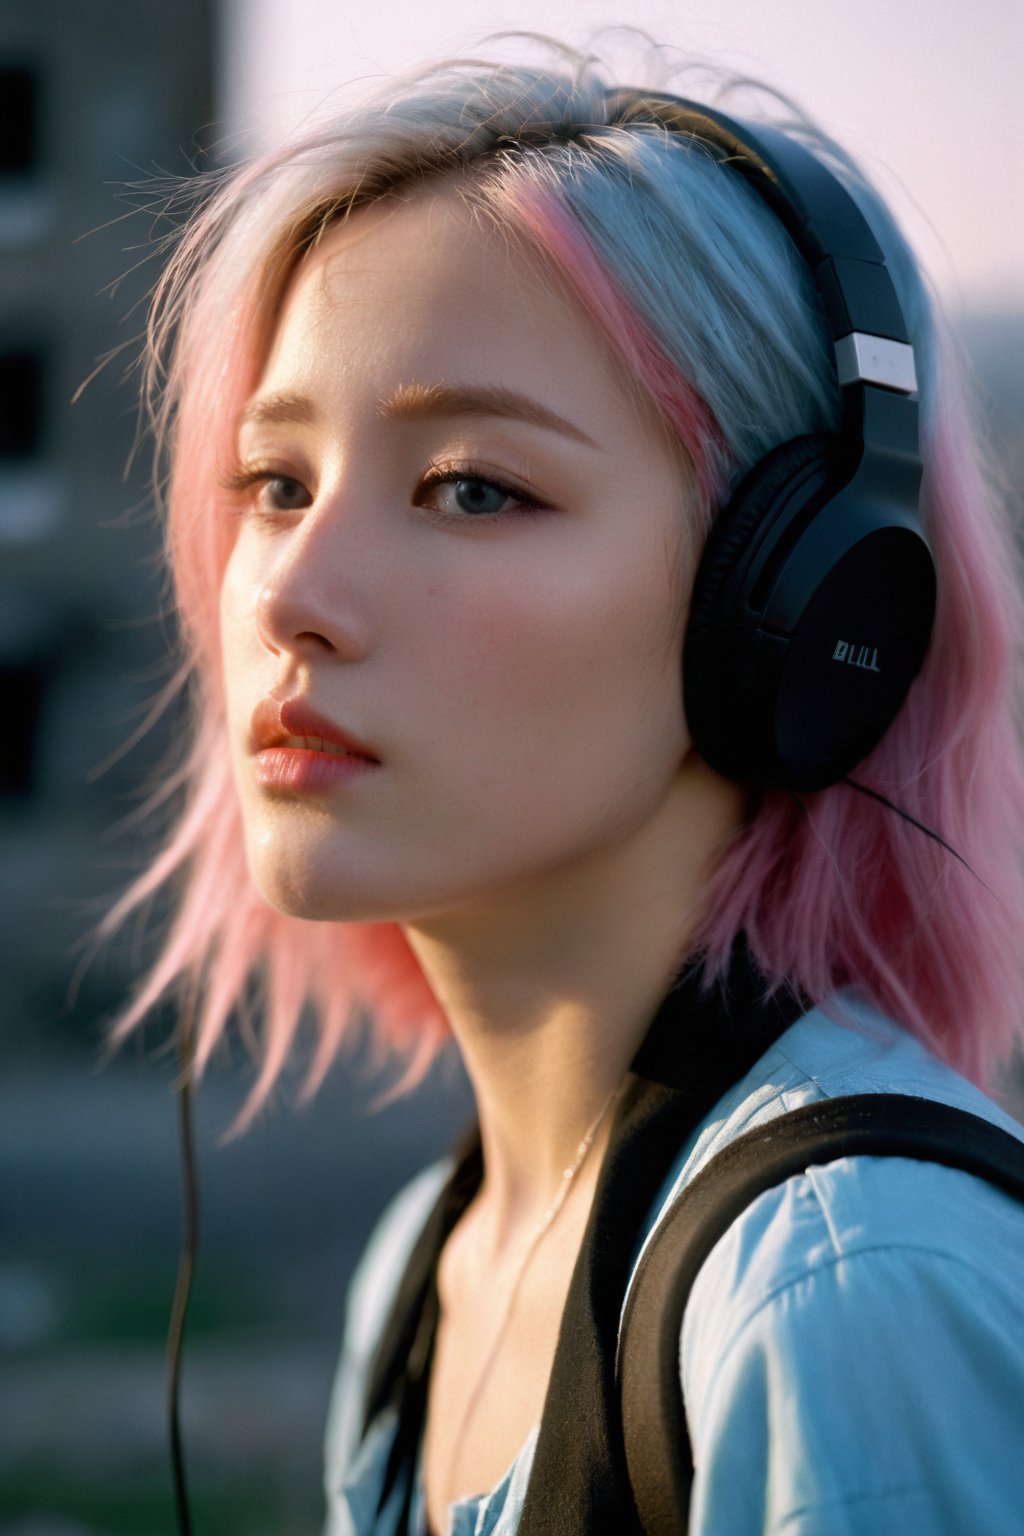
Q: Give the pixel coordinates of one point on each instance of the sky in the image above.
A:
(926, 93)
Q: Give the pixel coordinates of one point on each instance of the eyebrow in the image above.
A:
(410, 401)
(281, 406)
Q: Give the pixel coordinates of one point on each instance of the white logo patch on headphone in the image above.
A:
(864, 656)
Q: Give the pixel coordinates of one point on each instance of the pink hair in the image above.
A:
(831, 891)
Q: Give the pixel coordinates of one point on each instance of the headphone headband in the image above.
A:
(815, 598)
(859, 300)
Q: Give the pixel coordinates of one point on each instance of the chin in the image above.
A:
(304, 888)
(293, 871)
(295, 884)
(315, 907)
(296, 897)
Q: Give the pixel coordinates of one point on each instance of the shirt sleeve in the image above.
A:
(861, 1374)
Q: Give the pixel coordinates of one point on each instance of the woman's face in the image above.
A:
(505, 642)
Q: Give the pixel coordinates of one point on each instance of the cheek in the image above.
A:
(239, 591)
(580, 670)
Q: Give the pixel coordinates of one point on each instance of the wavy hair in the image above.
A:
(711, 316)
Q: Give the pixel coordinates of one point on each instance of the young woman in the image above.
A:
(453, 389)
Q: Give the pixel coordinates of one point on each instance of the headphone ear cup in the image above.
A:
(720, 723)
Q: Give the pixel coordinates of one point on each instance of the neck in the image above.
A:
(550, 990)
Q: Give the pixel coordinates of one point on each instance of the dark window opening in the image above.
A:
(21, 405)
(21, 699)
(19, 120)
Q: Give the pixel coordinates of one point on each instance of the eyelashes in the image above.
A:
(287, 493)
(472, 475)
(244, 478)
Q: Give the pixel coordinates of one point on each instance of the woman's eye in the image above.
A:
(267, 491)
(456, 492)
(283, 494)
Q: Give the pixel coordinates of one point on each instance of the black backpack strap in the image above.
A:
(647, 1364)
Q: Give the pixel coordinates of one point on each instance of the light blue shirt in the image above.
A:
(852, 1355)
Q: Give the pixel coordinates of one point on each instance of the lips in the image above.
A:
(292, 723)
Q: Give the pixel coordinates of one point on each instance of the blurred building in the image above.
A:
(94, 94)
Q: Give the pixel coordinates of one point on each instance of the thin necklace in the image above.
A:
(543, 1226)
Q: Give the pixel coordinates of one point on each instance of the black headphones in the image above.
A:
(814, 600)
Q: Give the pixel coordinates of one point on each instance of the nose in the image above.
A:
(312, 597)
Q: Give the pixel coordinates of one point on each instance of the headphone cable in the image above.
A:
(921, 826)
(186, 1262)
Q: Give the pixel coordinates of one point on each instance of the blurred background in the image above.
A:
(97, 95)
